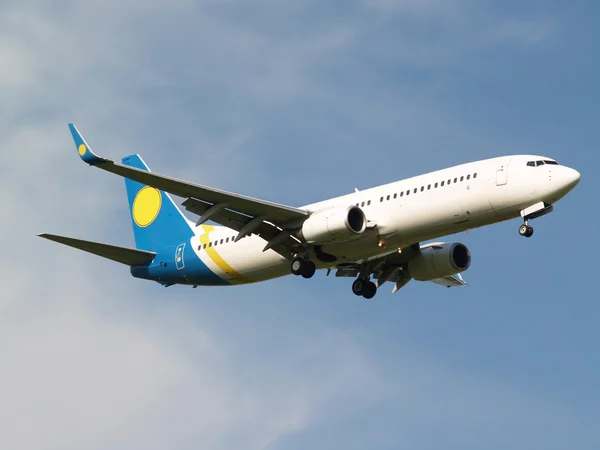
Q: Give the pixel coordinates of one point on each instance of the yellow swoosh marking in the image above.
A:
(218, 259)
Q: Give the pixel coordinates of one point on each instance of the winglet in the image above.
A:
(84, 150)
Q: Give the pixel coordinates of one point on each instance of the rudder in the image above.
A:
(156, 219)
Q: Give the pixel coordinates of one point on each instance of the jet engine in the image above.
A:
(336, 224)
(440, 260)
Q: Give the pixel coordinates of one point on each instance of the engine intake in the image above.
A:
(337, 224)
(440, 261)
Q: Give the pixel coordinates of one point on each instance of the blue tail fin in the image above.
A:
(157, 221)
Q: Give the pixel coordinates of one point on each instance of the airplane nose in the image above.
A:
(572, 178)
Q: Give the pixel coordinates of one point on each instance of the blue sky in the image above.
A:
(295, 103)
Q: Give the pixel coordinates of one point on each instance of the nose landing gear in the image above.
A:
(526, 230)
(364, 287)
(533, 212)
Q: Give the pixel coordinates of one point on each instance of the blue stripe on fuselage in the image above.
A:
(163, 268)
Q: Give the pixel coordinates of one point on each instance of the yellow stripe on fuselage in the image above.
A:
(218, 259)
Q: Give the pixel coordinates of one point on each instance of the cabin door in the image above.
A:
(502, 175)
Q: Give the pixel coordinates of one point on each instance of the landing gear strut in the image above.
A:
(304, 267)
(526, 230)
(365, 288)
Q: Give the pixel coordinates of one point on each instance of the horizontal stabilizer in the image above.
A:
(128, 256)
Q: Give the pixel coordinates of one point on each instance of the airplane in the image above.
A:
(373, 234)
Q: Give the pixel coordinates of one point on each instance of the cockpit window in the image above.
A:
(541, 163)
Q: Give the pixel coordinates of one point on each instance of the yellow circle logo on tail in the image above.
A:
(82, 149)
(146, 206)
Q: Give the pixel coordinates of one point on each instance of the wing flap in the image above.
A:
(237, 221)
(123, 255)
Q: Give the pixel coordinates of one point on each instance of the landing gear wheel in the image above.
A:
(309, 269)
(369, 290)
(301, 266)
(362, 287)
(526, 230)
(358, 286)
(297, 266)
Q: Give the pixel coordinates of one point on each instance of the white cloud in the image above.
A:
(73, 376)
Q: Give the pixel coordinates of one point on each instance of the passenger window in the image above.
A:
(442, 183)
(221, 241)
(210, 244)
(204, 246)
(449, 181)
(388, 197)
(462, 178)
(422, 188)
(381, 199)
(362, 204)
(407, 192)
(395, 195)
(428, 186)
(227, 240)
(455, 180)
(369, 202)
(401, 193)
(436, 185)
(475, 175)
(415, 191)
(469, 177)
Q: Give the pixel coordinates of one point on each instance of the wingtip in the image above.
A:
(84, 150)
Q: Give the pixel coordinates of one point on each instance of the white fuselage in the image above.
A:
(403, 213)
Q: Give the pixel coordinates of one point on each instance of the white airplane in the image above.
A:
(375, 233)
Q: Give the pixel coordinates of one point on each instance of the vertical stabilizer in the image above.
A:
(157, 221)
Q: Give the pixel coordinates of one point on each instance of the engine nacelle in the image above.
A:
(337, 224)
(440, 261)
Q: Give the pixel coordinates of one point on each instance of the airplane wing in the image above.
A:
(393, 268)
(272, 221)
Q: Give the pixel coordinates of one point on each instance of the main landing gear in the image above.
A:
(526, 230)
(364, 287)
(304, 267)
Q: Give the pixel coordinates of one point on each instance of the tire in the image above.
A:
(358, 286)
(523, 230)
(529, 231)
(297, 266)
(309, 269)
(369, 290)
